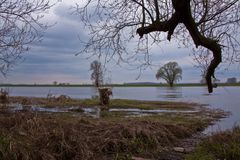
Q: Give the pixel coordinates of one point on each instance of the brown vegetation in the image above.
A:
(59, 136)
(3, 96)
(50, 101)
(43, 136)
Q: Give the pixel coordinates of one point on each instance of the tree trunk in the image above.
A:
(104, 94)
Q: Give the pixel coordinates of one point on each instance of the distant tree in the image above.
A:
(97, 73)
(20, 26)
(55, 82)
(170, 72)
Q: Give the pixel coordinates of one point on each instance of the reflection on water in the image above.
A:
(170, 93)
(93, 111)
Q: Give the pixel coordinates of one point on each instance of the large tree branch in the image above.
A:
(183, 15)
(199, 39)
(164, 26)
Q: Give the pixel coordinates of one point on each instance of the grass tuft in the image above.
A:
(223, 145)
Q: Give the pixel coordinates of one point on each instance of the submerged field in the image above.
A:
(126, 129)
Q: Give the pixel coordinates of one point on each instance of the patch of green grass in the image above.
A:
(90, 102)
(224, 145)
(142, 142)
(112, 115)
(122, 156)
(5, 153)
(123, 103)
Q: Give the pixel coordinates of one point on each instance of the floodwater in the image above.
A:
(226, 98)
(90, 111)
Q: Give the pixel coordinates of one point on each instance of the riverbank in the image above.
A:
(29, 134)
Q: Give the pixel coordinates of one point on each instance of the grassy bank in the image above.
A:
(223, 145)
(43, 135)
(114, 103)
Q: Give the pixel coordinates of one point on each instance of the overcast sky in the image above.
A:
(54, 58)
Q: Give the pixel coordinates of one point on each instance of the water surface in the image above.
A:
(226, 98)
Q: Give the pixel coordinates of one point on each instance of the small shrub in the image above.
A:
(3, 96)
(5, 153)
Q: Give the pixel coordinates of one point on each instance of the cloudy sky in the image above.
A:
(54, 58)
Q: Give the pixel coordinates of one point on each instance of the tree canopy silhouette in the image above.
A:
(208, 24)
(20, 26)
(170, 72)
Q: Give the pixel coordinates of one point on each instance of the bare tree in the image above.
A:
(170, 72)
(97, 73)
(202, 60)
(20, 26)
(211, 24)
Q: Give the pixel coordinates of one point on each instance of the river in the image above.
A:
(226, 98)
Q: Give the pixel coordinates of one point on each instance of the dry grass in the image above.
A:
(50, 102)
(44, 136)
